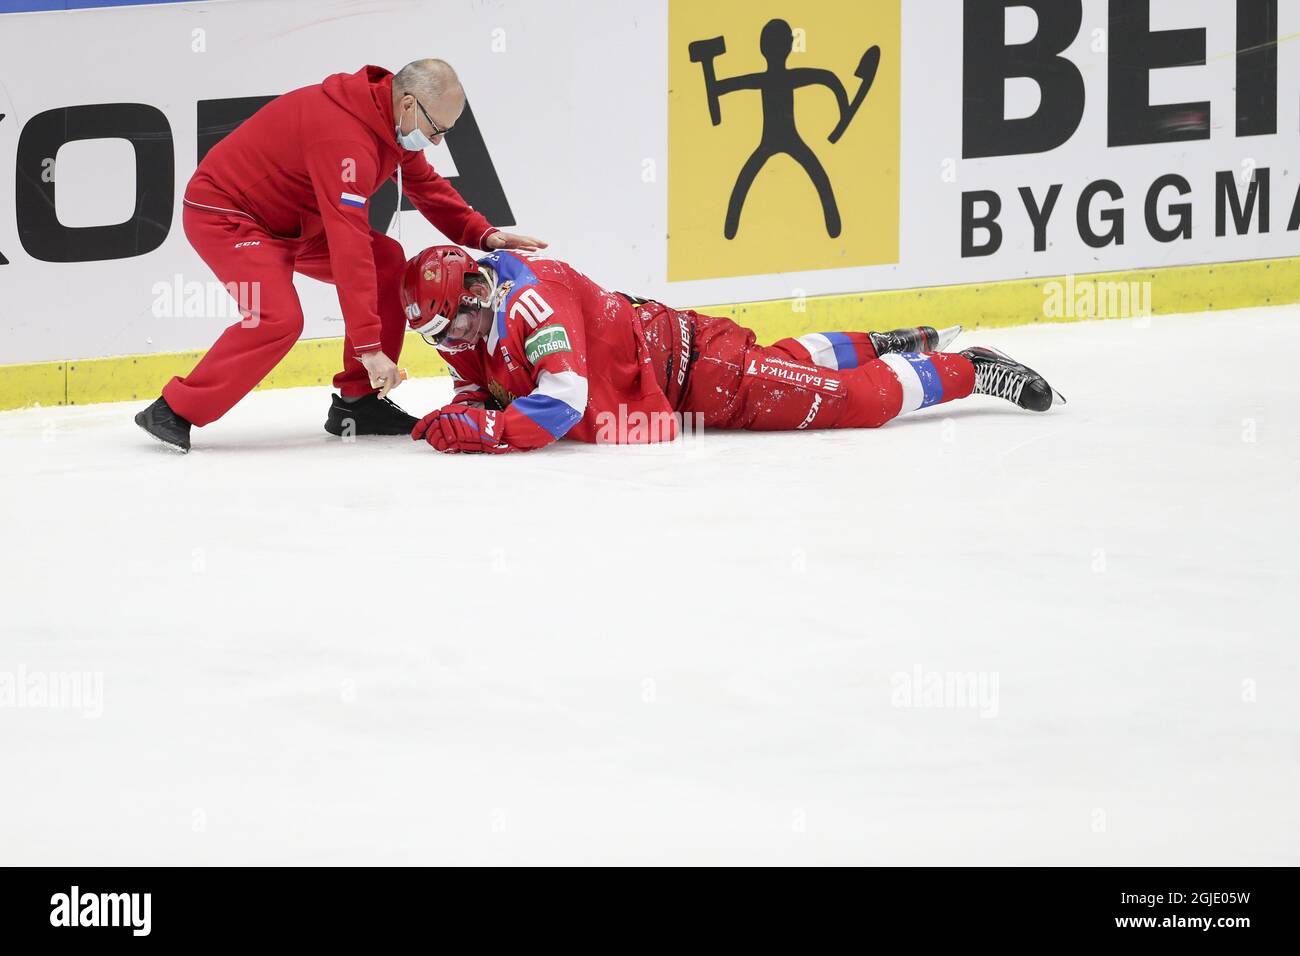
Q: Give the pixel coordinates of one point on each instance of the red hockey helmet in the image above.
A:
(435, 290)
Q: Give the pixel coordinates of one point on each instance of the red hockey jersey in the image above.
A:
(564, 358)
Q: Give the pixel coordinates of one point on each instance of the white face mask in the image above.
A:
(414, 140)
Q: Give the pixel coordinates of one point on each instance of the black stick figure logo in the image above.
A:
(777, 85)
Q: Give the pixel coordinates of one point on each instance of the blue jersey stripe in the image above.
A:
(549, 413)
(846, 356)
(931, 384)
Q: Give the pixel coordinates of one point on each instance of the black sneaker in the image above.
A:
(923, 338)
(368, 415)
(998, 375)
(165, 425)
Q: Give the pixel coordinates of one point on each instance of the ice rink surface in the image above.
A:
(974, 636)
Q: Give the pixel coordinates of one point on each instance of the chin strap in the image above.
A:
(494, 287)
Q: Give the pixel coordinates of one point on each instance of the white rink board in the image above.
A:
(683, 654)
(571, 124)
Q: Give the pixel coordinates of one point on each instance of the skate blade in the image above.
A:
(946, 337)
(164, 442)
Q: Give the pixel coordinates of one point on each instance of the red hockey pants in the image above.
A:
(825, 380)
(245, 257)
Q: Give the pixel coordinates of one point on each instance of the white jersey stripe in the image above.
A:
(568, 387)
(821, 349)
(913, 391)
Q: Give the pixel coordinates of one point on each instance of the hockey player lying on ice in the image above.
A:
(539, 352)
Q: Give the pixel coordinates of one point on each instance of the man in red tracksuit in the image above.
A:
(288, 192)
(539, 352)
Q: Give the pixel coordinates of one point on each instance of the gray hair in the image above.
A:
(427, 80)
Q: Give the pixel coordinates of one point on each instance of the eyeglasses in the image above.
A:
(437, 131)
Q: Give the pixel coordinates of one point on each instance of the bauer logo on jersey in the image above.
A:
(783, 131)
(546, 341)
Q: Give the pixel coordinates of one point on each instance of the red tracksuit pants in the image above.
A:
(260, 267)
(824, 380)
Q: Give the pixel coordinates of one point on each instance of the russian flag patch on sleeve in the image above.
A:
(353, 200)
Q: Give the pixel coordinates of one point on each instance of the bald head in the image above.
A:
(428, 81)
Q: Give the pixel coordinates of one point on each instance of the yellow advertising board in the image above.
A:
(783, 127)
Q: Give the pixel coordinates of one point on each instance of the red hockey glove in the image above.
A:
(462, 428)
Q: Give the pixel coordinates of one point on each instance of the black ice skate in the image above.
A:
(165, 425)
(998, 375)
(920, 339)
(368, 415)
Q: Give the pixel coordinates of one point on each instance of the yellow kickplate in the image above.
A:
(125, 378)
(44, 383)
(1169, 291)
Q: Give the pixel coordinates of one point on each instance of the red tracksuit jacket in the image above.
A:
(299, 165)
